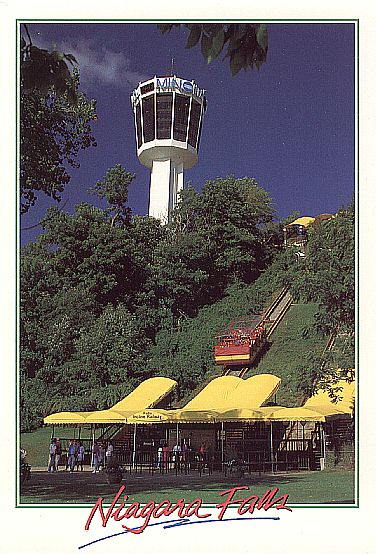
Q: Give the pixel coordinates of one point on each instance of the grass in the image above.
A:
(320, 487)
(293, 346)
(37, 443)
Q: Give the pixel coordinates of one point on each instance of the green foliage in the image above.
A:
(294, 355)
(109, 358)
(114, 189)
(185, 352)
(88, 311)
(94, 294)
(105, 306)
(247, 43)
(327, 276)
(55, 121)
(53, 131)
(44, 70)
(218, 236)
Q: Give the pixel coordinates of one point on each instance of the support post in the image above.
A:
(271, 446)
(323, 447)
(222, 443)
(134, 445)
(92, 430)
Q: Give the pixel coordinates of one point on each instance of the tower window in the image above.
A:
(164, 115)
(194, 123)
(181, 117)
(138, 125)
(148, 118)
(147, 88)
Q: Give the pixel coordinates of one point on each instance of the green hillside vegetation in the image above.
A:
(108, 300)
(294, 354)
(187, 353)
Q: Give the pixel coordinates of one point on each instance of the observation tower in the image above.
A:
(168, 114)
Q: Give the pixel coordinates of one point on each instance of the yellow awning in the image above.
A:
(215, 396)
(107, 416)
(150, 416)
(195, 416)
(295, 414)
(69, 418)
(146, 395)
(223, 393)
(328, 411)
(255, 391)
(240, 414)
(173, 416)
(305, 221)
(344, 404)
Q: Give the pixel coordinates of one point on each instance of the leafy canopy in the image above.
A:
(247, 43)
(55, 122)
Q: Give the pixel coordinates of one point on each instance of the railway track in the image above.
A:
(273, 316)
(277, 310)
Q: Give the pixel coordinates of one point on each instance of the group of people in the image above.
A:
(75, 455)
(54, 455)
(180, 453)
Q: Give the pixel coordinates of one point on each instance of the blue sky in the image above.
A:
(289, 125)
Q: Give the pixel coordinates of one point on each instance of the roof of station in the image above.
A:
(304, 220)
(323, 399)
(226, 398)
(148, 394)
(227, 392)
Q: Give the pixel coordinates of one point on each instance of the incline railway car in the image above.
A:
(240, 344)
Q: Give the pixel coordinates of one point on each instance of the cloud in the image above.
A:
(98, 65)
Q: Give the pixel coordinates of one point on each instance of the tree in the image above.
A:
(53, 130)
(327, 276)
(114, 189)
(88, 312)
(247, 43)
(55, 122)
(110, 357)
(44, 70)
(217, 237)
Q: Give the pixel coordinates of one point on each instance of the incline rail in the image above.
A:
(280, 305)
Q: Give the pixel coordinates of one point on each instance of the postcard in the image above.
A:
(187, 296)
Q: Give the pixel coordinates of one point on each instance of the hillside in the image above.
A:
(293, 354)
(186, 353)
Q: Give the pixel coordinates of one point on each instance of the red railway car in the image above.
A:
(240, 344)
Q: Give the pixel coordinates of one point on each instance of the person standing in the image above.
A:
(72, 455)
(159, 457)
(51, 461)
(100, 456)
(80, 456)
(95, 458)
(166, 452)
(176, 451)
(58, 454)
(109, 453)
(202, 452)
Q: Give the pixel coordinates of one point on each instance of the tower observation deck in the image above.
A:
(168, 114)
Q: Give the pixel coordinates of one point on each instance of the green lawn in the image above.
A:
(334, 487)
(37, 442)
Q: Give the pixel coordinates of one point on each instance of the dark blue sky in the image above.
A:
(289, 125)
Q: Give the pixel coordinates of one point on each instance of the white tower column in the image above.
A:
(168, 115)
(166, 181)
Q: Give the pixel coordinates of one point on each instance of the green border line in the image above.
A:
(355, 22)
